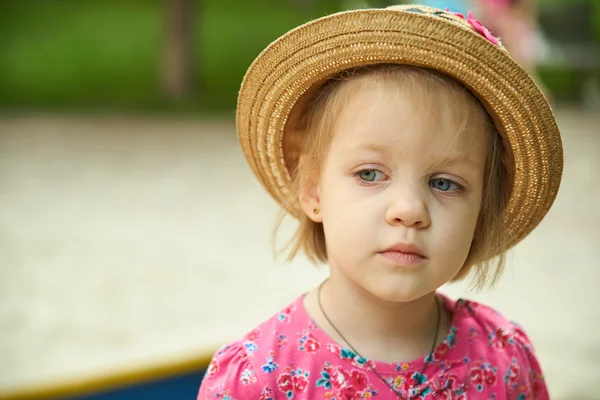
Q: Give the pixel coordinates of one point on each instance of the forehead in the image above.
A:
(432, 120)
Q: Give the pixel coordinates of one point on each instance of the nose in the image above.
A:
(408, 207)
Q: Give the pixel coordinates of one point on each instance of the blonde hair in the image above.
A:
(486, 256)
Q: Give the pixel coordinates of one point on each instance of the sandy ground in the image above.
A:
(126, 242)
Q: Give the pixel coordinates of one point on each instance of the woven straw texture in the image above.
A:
(283, 76)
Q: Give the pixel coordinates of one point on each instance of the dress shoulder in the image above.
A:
(505, 340)
(230, 375)
(244, 369)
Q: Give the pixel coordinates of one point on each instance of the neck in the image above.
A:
(378, 329)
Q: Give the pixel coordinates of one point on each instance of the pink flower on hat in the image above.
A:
(478, 26)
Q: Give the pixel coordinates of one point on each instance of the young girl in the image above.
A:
(413, 151)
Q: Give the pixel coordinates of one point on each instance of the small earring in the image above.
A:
(316, 211)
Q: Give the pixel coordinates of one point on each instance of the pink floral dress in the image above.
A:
(483, 356)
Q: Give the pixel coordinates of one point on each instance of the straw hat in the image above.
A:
(287, 73)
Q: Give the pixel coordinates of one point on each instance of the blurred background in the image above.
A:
(134, 240)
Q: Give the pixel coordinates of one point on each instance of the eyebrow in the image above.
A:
(374, 147)
(442, 160)
(449, 160)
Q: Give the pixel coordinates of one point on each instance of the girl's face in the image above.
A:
(399, 192)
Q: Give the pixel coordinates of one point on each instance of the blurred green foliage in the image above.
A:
(80, 53)
(567, 84)
(109, 53)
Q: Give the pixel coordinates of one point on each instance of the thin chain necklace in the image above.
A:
(427, 359)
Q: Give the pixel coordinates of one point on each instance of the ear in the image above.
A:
(310, 200)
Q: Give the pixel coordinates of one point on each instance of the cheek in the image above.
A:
(336, 195)
(346, 219)
(346, 203)
(456, 226)
(471, 214)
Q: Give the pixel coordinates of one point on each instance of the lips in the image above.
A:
(404, 254)
(406, 248)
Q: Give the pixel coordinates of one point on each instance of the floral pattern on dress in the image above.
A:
(270, 365)
(248, 377)
(251, 348)
(267, 394)
(307, 342)
(285, 315)
(282, 341)
(483, 356)
(512, 374)
(412, 385)
(452, 389)
(343, 384)
(223, 394)
(213, 368)
(347, 354)
(502, 337)
(473, 334)
(293, 381)
(482, 376)
(405, 366)
(253, 335)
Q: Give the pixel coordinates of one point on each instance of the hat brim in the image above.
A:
(286, 73)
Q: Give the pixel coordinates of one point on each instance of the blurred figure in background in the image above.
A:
(514, 22)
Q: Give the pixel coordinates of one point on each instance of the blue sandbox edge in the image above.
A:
(183, 386)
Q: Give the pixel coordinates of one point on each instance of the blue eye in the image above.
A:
(370, 175)
(444, 185)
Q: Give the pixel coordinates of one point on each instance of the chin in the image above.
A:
(398, 292)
